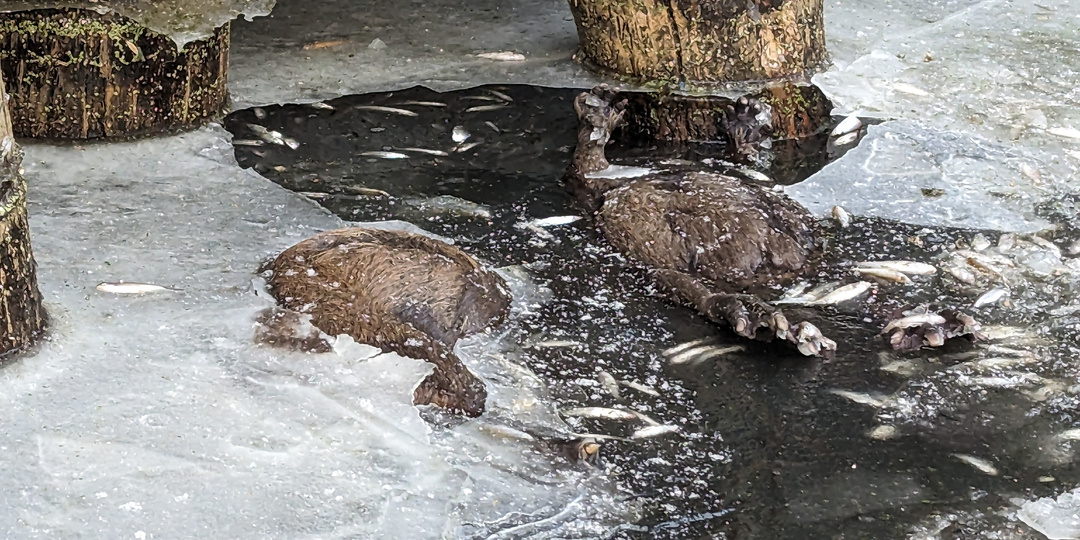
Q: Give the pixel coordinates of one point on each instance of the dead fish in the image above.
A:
(640, 388)
(315, 45)
(492, 125)
(884, 273)
(602, 413)
(847, 125)
(260, 113)
(484, 108)
(317, 195)
(555, 344)
(391, 110)
(459, 134)
(506, 432)
(754, 175)
(452, 205)
(423, 103)
(384, 155)
(291, 143)
(1031, 172)
(843, 294)
(272, 137)
(841, 216)
(999, 362)
(321, 105)
(883, 433)
(366, 192)
(608, 382)
(909, 89)
(985, 258)
(845, 140)
(910, 268)
(248, 142)
(1067, 132)
(654, 431)
(468, 146)
(860, 398)
(554, 221)
(428, 151)
(503, 56)
(991, 297)
(912, 321)
(123, 287)
(979, 464)
(697, 355)
(962, 275)
(1046, 244)
(500, 95)
(481, 98)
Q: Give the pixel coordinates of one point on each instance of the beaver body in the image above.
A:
(398, 291)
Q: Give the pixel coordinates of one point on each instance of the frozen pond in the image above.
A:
(156, 416)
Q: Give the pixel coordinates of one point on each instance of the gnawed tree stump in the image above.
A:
(694, 51)
(22, 317)
(78, 74)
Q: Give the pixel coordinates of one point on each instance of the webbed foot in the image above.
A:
(914, 329)
(742, 127)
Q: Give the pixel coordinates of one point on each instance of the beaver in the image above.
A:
(398, 291)
(713, 241)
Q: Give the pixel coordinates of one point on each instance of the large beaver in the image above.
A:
(713, 241)
(398, 291)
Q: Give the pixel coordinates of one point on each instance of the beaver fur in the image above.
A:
(401, 292)
(715, 242)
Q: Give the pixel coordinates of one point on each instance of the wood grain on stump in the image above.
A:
(22, 317)
(78, 74)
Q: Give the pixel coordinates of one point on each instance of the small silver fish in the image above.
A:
(843, 294)
(847, 125)
(909, 89)
(649, 432)
(366, 192)
(248, 142)
(425, 151)
(640, 388)
(754, 175)
(991, 297)
(122, 287)
(391, 110)
(555, 344)
(500, 95)
(384, 155)
(291, 143)
(503, 56)
(459, 134)
(554, 221)
(484, 108)
(423, 103)
(481, 98)
(321, 105)
(317, 195)
(884, 273)
(468, 146)
(979, 464)
(912, 321)
(492, 125)
(602, 413)
(910, 268)
(961, 274)
(270, 136)
(883, 433)
(608, 382)
(845, 140)
(860, 398)
(451, 205)
(841, 216)
(697, 355)
(1046, 244)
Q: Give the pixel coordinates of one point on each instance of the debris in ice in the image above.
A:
(459, 134)
(384, 154)
(619, 171)
(887, 274)
(122, 287)
(504, 56)
(391, 110)
(640, 388)
(423, 103)
(468, 146)
(847, 125)
(979, 464)
(500, 95)
(860, 397)
(485, 108)
(554, 221)
(326, 44)
(654, 431)
(608, 382)
(908, 267)
(1067, 132)
(991, 297)
(377, 44)
(841, 216)
(1057, 519)
(1070, 435)
(909, 89)
(883, 433)
(980, 242)
(845, 140)
(428, 151)
(1031, 172)
(843, 294)
(682, 355)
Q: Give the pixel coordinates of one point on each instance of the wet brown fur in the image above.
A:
(399, 291)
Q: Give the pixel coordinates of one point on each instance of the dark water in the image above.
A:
(766, 450)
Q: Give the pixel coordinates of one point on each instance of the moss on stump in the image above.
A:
(78, 74)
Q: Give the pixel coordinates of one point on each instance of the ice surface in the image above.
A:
(155, 415)
(182, 20)
(1057, 519)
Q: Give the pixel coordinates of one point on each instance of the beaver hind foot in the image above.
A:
(398, 291)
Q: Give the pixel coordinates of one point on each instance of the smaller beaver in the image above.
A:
(399, 291)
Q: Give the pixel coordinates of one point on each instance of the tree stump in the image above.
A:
(22, 317)
(78, 74)
(696, 52)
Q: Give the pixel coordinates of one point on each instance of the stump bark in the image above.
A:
(691, 51)
(78, 74)
(22, 317)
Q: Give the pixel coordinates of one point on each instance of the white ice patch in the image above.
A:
(620, 171)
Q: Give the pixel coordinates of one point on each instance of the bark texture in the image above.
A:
(701, 42)
(22, 317)
(77, 74)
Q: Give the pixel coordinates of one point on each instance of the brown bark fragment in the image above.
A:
(77, 74)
